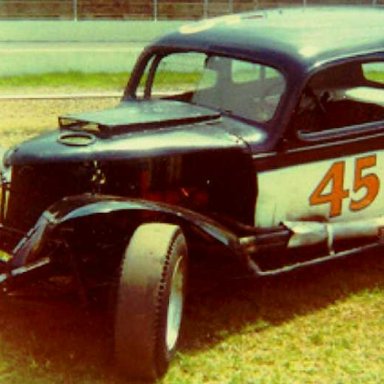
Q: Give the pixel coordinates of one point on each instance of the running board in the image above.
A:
(258, 272)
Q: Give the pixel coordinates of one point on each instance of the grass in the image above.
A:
(62, 82)
(375, 76)
(292, 330)
(53, 80)
(323, 325)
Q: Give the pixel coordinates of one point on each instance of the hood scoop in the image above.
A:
(137, 115)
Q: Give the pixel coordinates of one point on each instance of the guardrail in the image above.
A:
(144, 9)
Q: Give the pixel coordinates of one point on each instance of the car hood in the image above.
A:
(139, 115)
(134, 130)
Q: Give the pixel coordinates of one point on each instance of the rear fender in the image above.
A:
(68, 212)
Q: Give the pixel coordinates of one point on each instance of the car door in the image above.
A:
(330, 163)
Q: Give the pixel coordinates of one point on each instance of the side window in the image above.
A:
(256, 90)
(240, 88)
(347, 96)
(244, 72)
(374, 72)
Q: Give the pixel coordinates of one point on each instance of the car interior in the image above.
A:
(346, 95)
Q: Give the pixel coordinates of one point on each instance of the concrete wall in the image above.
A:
(84, 31)
(88, 46)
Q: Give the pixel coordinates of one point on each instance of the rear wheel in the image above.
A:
(150, 300)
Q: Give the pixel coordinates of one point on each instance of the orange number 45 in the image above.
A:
(333, 183)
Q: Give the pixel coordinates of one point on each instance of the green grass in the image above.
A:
(170, 78)
(375, 76)
(323, 325)
(83, 81)
(317, 326)
(79, 79)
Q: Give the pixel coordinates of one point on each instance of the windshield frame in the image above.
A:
(157, 53)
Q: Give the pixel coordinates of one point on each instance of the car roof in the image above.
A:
(296, 38)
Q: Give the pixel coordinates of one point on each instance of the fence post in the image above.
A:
(74, 10)
(205, 8)
(230, 6)
(155, 10)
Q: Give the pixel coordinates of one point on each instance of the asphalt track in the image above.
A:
(42, 57)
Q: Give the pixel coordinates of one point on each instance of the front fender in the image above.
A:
(70, 210)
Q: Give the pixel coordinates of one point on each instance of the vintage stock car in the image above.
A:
(261, 133)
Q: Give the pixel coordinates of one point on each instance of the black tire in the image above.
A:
(151, 286)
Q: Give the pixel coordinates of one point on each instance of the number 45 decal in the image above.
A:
(333, 181)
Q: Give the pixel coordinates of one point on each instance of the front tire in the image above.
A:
(150, 300)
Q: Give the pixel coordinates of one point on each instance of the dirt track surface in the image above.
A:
(21, 119)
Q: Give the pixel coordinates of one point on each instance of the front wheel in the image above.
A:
(150, 300)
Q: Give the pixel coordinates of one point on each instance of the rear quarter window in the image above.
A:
(374, 71)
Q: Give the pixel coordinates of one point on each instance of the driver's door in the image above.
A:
(331, 167)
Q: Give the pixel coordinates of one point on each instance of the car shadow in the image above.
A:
(47, 333)
(49, 330)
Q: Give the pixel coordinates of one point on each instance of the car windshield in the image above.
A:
(236, 87)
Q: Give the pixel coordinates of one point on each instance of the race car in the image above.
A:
(260, 133)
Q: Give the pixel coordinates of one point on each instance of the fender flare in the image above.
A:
(71, 209)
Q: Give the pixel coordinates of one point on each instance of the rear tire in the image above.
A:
(150, 300)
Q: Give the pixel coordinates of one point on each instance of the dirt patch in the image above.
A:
(21, 119)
